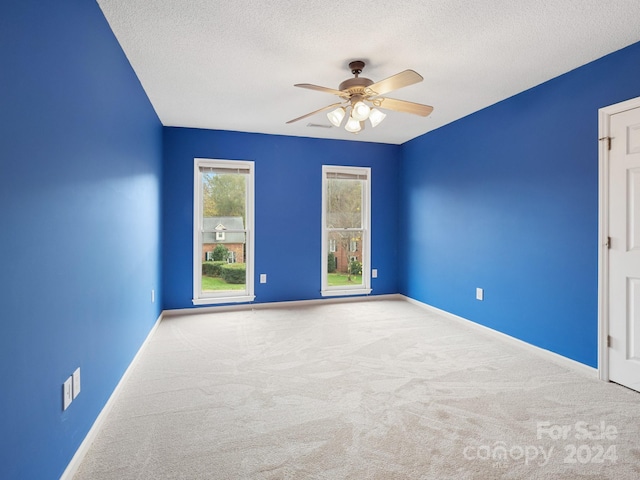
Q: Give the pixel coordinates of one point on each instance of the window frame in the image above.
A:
(365, 287)
(229, 296)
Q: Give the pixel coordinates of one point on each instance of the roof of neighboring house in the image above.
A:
(212, 225)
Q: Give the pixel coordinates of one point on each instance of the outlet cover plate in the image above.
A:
(67, 393)
(76, 382)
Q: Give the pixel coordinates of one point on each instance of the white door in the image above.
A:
(624, 253)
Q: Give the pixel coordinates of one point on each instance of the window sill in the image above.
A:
(344, 292)
(221, 300)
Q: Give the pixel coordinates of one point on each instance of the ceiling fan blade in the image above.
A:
(317, 111)
(394, 82)
(322, 89)
(404, 106)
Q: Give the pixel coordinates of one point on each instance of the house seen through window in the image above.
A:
(345, 230)
(223, 231)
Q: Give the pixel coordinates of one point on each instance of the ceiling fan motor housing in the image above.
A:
(355, 86)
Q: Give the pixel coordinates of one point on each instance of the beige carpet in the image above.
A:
(367, 390)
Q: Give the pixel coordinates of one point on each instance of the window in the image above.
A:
(346, 238)
(222, 231)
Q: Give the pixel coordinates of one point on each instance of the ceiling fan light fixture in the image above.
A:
(336, 116)
(353, 125)
(360, 111)
(361, 99)
(376, 116)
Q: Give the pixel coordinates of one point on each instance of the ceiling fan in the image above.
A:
(361, 99)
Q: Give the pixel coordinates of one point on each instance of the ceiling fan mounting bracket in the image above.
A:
(356, 67)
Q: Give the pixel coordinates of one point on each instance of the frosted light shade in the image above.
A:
(376, 116)
(360, 111)
(336, 116)
(352, 125)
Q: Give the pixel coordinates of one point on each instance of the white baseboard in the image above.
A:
(285, 304)
(547, 354)
(82, 450)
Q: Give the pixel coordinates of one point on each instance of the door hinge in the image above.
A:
(608, 244)
(608, 341)
(608, 140)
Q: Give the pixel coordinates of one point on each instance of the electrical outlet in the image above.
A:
(76, 382)
(67, 393)
(263, 278)
(479, 294)
(374, 273)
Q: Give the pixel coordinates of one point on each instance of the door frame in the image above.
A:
(604, 116)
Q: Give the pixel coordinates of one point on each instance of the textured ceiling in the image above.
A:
(231, 64)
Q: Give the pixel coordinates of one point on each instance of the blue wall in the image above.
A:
(288, 176)
(80, 172)
(507, 199)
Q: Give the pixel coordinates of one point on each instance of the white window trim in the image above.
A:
(365, 288)
(242, 296)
